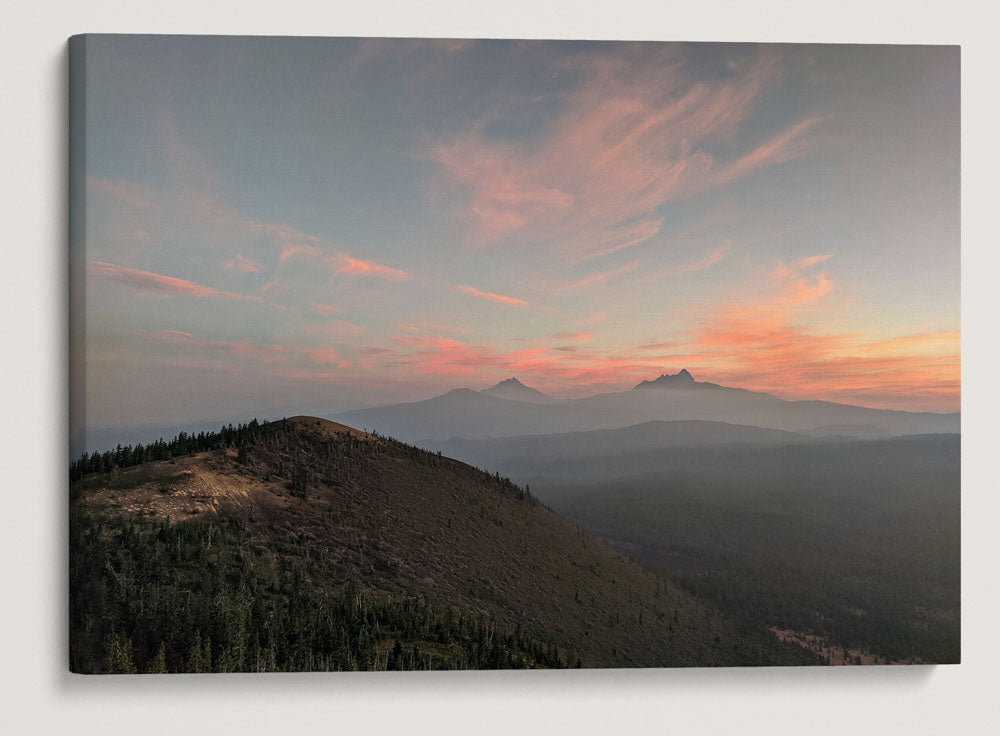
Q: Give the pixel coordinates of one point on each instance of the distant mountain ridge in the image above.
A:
(682, 379)
(494, 413)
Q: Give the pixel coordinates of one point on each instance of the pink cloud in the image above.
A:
(348, 326)
(602, 277)
(783, 147)
(591, 319)
(574, 336)
(782, 271)
(798, 289)
(630, 138)
(656, 347)
(299, 374)
(768, 341)
(158, 285)
(502, 200)
(621, 237)
(548, 368)
(763, 343)
(220, 224)
(324, 356)
(509, 300)
(448, 328)
(264, 354)
(803, 292)
(241, 264)
(812, 261)
(137, 195)
(754, 349)
(748, 347)
(290, 250)
(693, 267)
(358, 267)
(323, 308)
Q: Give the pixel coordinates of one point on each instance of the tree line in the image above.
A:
(183, 443)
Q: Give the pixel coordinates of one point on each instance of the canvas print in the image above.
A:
(421, 354)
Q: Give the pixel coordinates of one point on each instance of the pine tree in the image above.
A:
(119, 661)
(158, 666)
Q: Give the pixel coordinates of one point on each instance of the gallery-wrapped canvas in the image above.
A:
(418, 354)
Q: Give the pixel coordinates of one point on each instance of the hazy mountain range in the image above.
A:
(510, 409)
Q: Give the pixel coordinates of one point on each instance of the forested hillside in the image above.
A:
(302, 544)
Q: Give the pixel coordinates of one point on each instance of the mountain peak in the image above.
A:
(512, 381)
(681, 379)
(513, 389)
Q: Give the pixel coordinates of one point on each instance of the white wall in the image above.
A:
(36, 693)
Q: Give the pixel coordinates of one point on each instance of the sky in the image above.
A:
(284, 225)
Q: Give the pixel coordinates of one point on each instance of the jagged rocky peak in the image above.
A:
(681, 379)
(512, 381)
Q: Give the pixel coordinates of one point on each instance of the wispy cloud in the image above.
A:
(783, 147)
(812, 261)
(159, 285)
(602, 277)
(323, 308)
(220, 227)
(656, 347)
(574, 336)
(242, 264)
(591, 319)
(629, 139)
(291, 250)
(262, 353)
(499, 298)
(356, 267)
(448, 328)
(266, 354)
(693, 267)
(803, 291)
